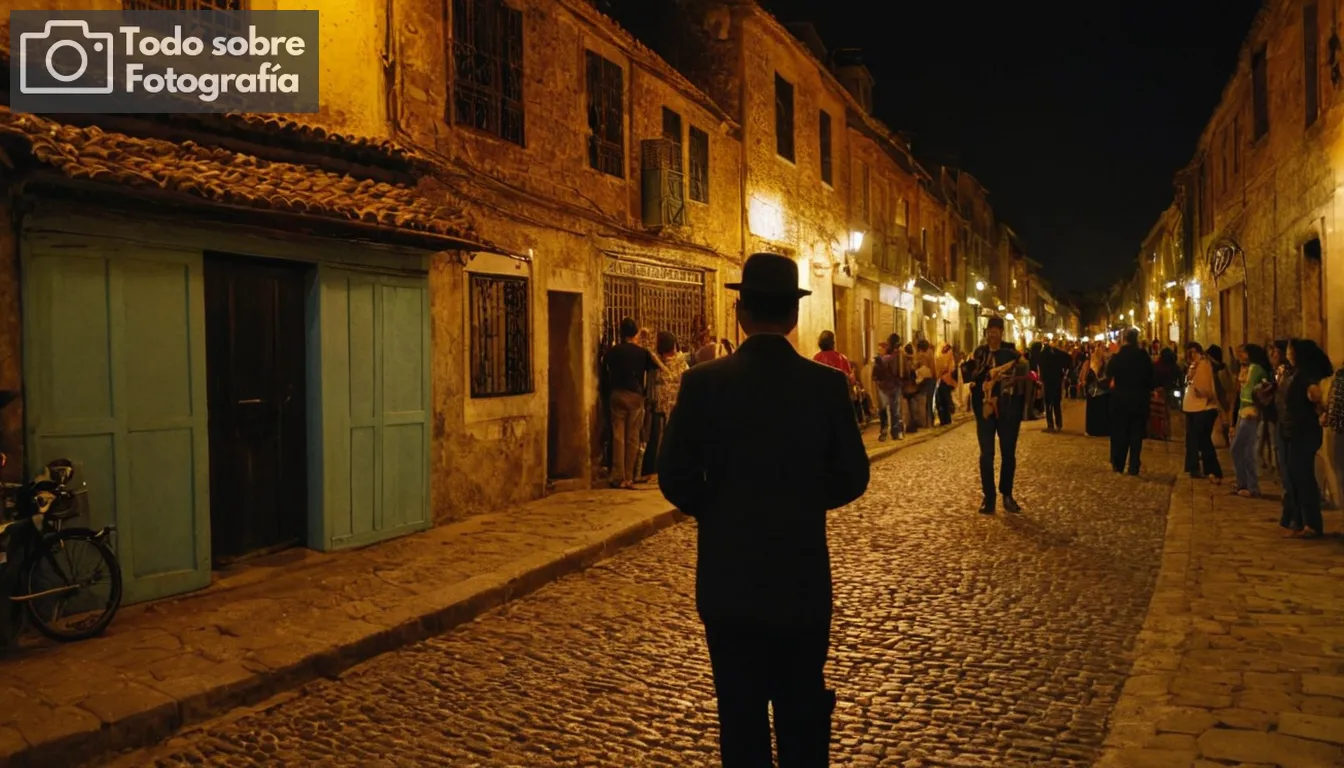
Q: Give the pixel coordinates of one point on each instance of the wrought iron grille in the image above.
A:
(678, 307)
(501, 355)
(214, 18)
(606, 111)
(487, 56)
(699, 165)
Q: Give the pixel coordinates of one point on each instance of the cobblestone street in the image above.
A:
(959, 639)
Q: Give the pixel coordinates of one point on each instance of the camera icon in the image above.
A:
(38, 70)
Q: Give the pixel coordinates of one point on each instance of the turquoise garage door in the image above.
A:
(114, 379)
(371, 478)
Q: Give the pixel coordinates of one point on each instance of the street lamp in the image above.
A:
(979, 285)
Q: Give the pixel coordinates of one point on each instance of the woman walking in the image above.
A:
(1254, 370)
(1200, 405)
(1301, 432)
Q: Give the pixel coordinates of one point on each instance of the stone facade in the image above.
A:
(1264, 184)
(873, 231)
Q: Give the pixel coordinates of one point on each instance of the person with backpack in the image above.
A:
(888, 381)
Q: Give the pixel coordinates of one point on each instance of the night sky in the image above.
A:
(1076, 116)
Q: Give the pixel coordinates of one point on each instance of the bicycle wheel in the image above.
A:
(77, 581)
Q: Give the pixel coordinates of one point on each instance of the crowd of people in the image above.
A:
(1272, 406)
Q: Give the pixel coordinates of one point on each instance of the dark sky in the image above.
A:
(1076, 116)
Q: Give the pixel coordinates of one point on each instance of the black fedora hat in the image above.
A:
(769, 274)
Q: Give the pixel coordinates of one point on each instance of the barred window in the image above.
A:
(501, 355)
(699, 161)
(208, 21)
(606, 113)
(487, 56)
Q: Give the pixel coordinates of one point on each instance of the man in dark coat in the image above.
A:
(1132, 381)
(1055, 365)
(1008, 392)
(760, 445)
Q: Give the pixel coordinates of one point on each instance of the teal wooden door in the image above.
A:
(371, 479)
(114, 379)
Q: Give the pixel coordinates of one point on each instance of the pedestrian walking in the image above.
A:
(1131, 375)
(1054, 369)
(760, 446)
(998, 402)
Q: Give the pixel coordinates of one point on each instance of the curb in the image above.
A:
(435, 613)
(1132, 722)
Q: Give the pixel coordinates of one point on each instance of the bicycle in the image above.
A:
(40, 560)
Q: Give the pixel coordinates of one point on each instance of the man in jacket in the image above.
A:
(1054, 368)
(1006, 421)
(1131, 375)
(760, 446)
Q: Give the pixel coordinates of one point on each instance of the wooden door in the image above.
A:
(255, 356)
(114, 374)
(373, 422)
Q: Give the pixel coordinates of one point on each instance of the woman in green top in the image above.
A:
(1255, 369)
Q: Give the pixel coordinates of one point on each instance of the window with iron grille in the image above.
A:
(699, 161)
(205, 24)
(1260, 92)
(487, 56)
(501, 355)
(824, 131)
(606, 113)
(784, 118)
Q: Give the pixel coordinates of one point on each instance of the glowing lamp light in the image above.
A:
(1171, 285)
(855, 241)
(1152, 306)
(1008, 316)
(979, 285)
(1001, 307)
(974, 302)
(1192, 290)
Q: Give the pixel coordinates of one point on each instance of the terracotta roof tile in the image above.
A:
(223, 176)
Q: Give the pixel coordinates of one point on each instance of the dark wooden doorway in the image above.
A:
(255, 363)
(566, 425)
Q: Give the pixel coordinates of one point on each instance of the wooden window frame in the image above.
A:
(486, 56)
(606, 115)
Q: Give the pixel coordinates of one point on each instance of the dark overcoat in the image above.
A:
(761, 444)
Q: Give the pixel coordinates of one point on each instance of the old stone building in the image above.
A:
(226, 319)
(391, 313)
(446, 246)
(615, 175)
(1263, 187)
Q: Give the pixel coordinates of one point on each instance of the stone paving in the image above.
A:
(1241, 661)
(959, 640)
(281, 621)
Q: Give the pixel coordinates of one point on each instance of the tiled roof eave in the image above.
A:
(194, 174)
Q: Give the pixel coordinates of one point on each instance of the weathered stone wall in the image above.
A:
(1272, 194)
(543, 199)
